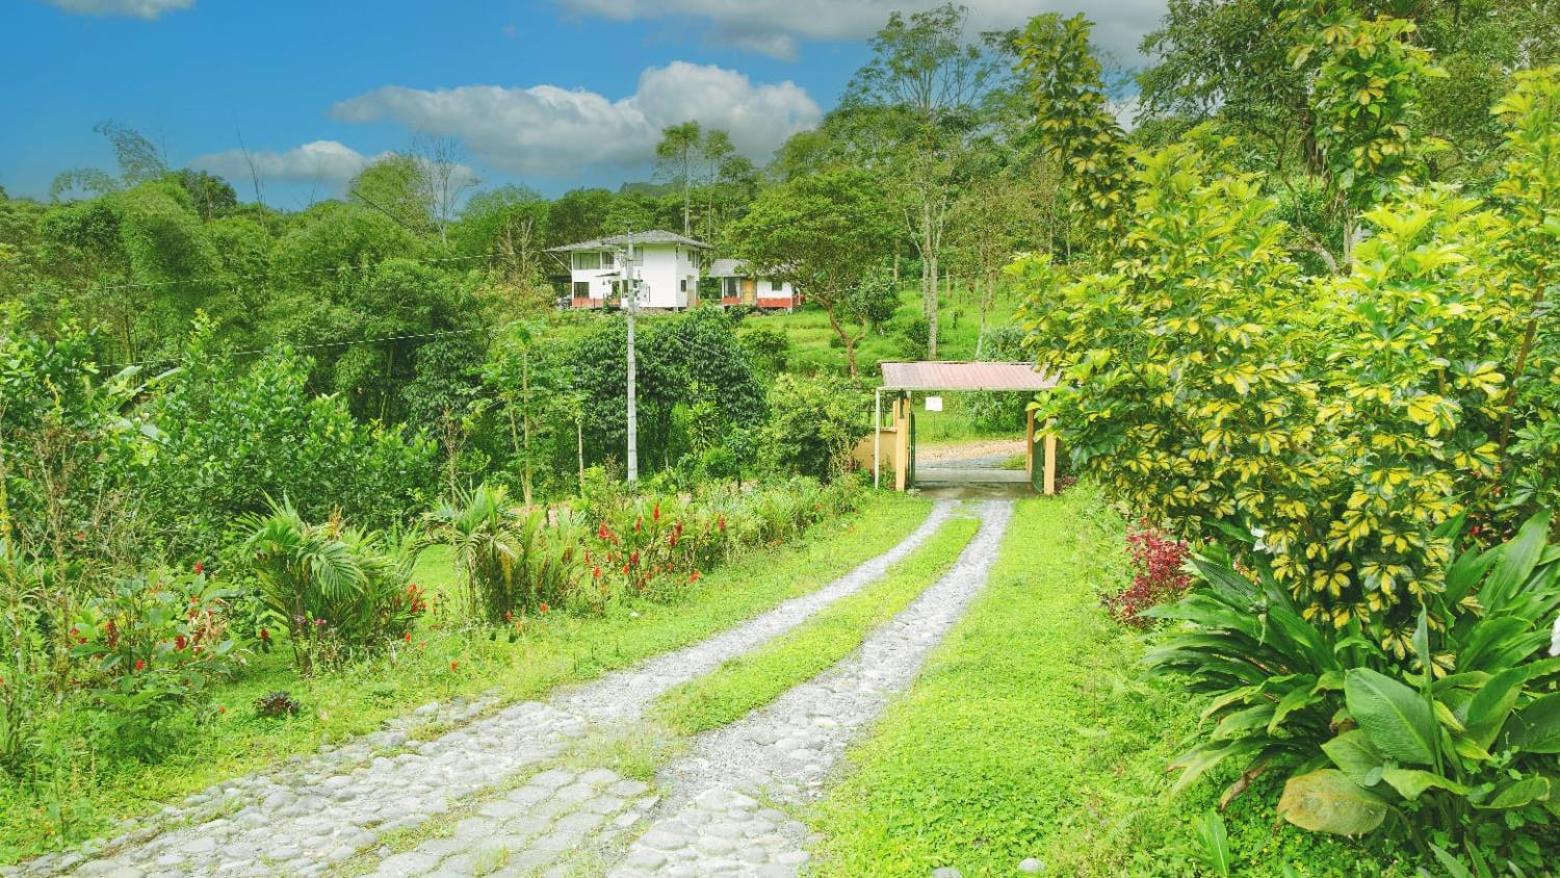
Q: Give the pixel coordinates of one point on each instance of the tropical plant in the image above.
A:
(336, 590)
(1459, 745)
(512, 559)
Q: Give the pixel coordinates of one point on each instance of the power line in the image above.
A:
(323, 345)
(230, 278)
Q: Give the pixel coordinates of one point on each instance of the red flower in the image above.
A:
(694, 577)
(179, 643)
(140, 664)
(723, 523)
(221, 709)
(595, 572)
(542, 607)
(633, 558)
(655, 514)
(265, 634)
(454, 666)
(199, 568)
(408, 637)
(603, 533)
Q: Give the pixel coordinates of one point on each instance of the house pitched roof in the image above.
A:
(651, 236)
(727, 268)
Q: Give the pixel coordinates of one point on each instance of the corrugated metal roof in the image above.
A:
(650, 236)
(964, 376)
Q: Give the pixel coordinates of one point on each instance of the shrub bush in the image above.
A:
(1157, 562)
(813, 425)
(335, 590)
(228, 438)
(1460, 738)
(512, 559)
(156, 645)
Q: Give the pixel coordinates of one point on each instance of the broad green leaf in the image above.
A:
(1411, 782)
(1327, 801)
(1353, 753)
(1517, 560)
(1536, 727)
(1492, 703)
(1518, 794)
(1397, 719)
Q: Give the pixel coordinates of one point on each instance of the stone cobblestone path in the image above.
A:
(717, 816)
(327, 813)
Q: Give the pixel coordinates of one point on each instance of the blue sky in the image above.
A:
(551, 93)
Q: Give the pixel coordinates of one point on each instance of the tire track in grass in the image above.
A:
(307, 817)
(713, 820)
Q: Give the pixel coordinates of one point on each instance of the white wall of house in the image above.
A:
(772, 289)
(591, 274)
(668, 274)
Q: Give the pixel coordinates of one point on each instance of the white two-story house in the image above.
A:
(667, 267)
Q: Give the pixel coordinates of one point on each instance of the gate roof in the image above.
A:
(937, 375)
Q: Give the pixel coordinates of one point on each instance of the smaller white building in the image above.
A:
(666, 265)
(739, 285)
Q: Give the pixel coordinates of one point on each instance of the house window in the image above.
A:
(683, 285)
(731, 285)
(587, 261)
(607, 260)
(582, 289)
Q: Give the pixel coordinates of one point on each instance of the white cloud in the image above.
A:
(774, 26)
(147, 9)
(323, 161)
(552, 131)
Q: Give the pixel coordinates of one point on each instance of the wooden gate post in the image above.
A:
(1050, 462)
(901, 442)
(1029, 445)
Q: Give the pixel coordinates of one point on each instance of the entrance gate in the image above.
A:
(900, 380)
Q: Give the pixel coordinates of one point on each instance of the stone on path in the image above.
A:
(312, 812)
(714, 821)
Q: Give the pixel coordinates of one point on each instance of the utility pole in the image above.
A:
(631, 293)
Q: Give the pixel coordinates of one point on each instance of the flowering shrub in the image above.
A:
(518, 560)
(1158, 560)
(155, 645)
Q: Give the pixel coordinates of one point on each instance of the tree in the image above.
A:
(822, 233)
(397, 187)
(927, 88)
(1365, 103)
(1074, 125)
(676, 156)
(443, 179)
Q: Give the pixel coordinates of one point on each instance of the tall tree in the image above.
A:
(927, 87)
(676, 158)
(824, 233)
(1074, 125)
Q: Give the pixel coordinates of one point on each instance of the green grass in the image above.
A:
(1033, 732)
(440, 663)
(750, 681)
(814, 350)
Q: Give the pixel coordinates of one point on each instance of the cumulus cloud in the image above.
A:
(147, 9)
(323, 161)
(774, 26)
(552, 131)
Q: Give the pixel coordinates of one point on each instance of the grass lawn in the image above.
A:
(814, 349)
(439, 663)
(751, 681)
(1034, 733)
